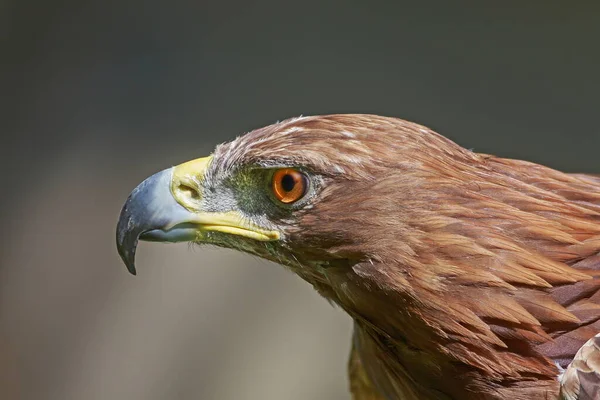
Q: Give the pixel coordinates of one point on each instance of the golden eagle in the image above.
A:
(468, 276)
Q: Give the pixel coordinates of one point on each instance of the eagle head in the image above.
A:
(310, 193)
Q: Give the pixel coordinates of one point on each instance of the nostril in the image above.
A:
(188, 192)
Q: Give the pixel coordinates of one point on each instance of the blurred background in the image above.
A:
(97, 95)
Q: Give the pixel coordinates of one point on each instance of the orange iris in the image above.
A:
(289, 185)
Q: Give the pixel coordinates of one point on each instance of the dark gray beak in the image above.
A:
(152, 213)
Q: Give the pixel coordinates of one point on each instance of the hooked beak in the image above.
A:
(167, 207)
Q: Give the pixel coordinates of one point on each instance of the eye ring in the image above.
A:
(289, 185)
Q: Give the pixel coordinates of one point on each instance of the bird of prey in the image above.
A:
(467, 276)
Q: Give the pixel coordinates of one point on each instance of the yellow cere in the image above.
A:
(186, 181)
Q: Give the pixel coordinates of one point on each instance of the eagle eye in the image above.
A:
(289, 185)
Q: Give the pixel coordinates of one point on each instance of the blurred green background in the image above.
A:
(97, 95)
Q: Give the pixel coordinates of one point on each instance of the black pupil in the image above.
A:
(288, 182)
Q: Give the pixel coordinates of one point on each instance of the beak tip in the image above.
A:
(126, 246)
(128, 258)
(131, 269)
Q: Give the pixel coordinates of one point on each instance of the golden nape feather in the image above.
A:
(468, 276)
